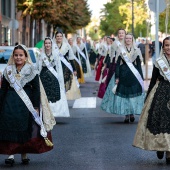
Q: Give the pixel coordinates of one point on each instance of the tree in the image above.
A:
(37, 10)
(140, 16)
(111, 20)
(118, 14)
(73, 14)
(92, 29)
(66, 14)
(162, 20)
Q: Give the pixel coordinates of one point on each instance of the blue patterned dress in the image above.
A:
(129, 97)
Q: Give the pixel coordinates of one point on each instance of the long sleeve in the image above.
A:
(117, 67)
(155, 75)
(73, 65)
(35, 92)
(138, 62)
(3, 90)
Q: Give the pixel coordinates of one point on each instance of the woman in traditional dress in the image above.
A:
(77, 62)
(108, 98)
(103, 51)
(153, 131)
(113, 51)
(104, 72)
(81, 49)
(129, 96)
(69, 70)
(93, 54)
(51, 74)
(22, 104)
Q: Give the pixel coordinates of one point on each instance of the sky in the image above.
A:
(95, 6)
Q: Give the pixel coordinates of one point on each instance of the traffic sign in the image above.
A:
(152, 5)
(13, 24)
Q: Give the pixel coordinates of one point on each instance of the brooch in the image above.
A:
(18, 76)
(9, 72)
(165, 69)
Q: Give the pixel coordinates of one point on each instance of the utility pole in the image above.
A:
(13, 20)
(0, 23)
(133, 18)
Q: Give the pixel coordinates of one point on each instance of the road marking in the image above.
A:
(85, 102)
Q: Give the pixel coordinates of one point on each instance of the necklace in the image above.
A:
(48, 54)
(59, 45)
(19, 70)
(128, 50)
(18, 75)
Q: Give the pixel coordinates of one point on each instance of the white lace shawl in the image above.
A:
(157, 66)
(27, 73)
(67, 48)
(74, 49)
(134, 53)
(56, 63)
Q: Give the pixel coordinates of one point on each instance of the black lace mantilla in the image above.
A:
(159, 112)
(51, 85)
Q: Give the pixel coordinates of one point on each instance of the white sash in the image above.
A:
(49, 66)
(80, 52)
(64, 60)
(22, 94)
(77, 60)
(164, 67)
(130, 65)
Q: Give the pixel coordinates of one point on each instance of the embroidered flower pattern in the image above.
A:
(168, 105)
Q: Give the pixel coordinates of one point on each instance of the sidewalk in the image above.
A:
(147, 79)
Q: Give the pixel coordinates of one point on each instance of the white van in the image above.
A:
(6, 52)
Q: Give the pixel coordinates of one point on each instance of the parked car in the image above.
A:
(6, 52)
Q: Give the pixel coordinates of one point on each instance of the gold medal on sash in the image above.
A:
(18, 76)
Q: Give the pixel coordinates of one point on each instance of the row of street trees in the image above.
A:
(68, 15)
(118, 14)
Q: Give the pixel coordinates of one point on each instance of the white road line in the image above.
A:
(85, 102)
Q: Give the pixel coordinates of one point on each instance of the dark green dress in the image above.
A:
(18, 131)
(68, 75)
(83, 61)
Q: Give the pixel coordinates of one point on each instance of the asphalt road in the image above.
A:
(91, 140)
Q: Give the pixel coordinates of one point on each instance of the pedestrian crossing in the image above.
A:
(85, 102)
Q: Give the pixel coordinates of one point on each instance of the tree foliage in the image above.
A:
(162, 21)
(67, 14)
(118, 14)
(111, 19)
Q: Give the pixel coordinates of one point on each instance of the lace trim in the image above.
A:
(27, 74)
(64, 48)
(142, 138)
(160, 71)
(48, 118)
(81, 46)
(74, 49)
(58, 67)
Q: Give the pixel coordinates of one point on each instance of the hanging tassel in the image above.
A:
(48, 142)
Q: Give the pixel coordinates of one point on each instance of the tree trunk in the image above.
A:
(40, 30)
(35, 39)
(31, 32)
(48, 29)
(23, 30)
